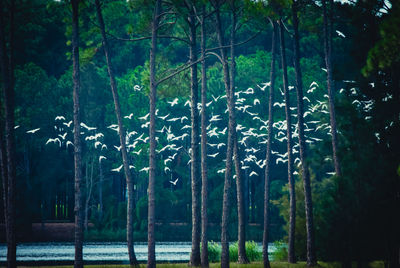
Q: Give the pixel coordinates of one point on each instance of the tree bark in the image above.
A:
(195, 164)
(292, 198)
(7, 68)
(78, 263)
(89, 188)
(329, 81)
(122, 139)
(311, 256)
(204, 175)
(101, 178)
(242, 258)
(270, 129)
(151, 259)
(229, 150)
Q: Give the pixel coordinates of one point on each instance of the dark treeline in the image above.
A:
(284, 116)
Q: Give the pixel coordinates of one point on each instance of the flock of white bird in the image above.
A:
(173, 134)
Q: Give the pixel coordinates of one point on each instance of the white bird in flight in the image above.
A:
(33, 130)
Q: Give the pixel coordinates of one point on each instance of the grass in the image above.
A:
(376, 264)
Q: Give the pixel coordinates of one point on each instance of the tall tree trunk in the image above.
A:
(77, 139)
(229, 149)
(89, 187)
(242, 258)
(329, 81)
(311, 257)
(7, 68)
(204, 176)
(270, 129)
(151, 259)
(122, 139)
(195, 164)
(292, 198)
(101, 178)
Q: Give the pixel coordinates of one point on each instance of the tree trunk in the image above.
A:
(77, 139)
(292, 198)
(7, 68)
(204, 177)
(242, 258)
(229, 149)
(311, 256)
(329, 80)
(267, 178)
(89, 187)
(101, 178)
(151, 259)
(122, 139)
(195, 164)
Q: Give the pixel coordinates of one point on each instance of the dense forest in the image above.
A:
(171, 120)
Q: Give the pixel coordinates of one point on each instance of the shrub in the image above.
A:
(253, 252)
(280, 253)
(214, 252)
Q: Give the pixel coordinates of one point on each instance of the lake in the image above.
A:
(100, 252)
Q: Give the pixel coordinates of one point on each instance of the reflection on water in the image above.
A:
(100, 251)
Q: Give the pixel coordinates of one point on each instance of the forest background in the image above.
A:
(356, 214)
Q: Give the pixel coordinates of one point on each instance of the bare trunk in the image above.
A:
(122, 139)
(7, 68)
(204, 177)
(77, 139)
(89, 187)
(242, 258)
(329, 80)
(229, 151)
(100, 191)
(151, 259)
(292, 198)
(195, 165)
(267, 181)
(311, 257)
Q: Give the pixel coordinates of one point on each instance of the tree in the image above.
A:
(78, 209)
(229, 144)
(288, 136)
(195, 164)
(329, 80)
(122, 139)
(242, 258)
(311, 261)
(9, 148)
(204, 175)
(267, 179)
(151, 259)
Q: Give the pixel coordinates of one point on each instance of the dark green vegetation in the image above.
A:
(356, 215)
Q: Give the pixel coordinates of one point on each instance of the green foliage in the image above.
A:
(280, 252)
(214, 251)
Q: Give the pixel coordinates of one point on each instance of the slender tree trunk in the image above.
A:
(195, 164)
(329, 80)
(311, 256)
(229, 150)
(204, 176)
(122, 139)
(292, 198)
(77, 139)
(242, 258)
(7, 68)
(151, 259)
(89, 187)
(101, 178)
(267, 181)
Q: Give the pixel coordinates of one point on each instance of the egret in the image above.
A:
(118, 169)
(59, 117)
(145, 169)
(340, 34)
(174, 102)
(129, 116)
(88, 128)
(32, 131)
(253, 173)
(213, 155)
(68, 124)
(69, 143)
(102, 157)
(174, 182)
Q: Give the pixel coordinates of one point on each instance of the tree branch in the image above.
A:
(179, 70)
(237, 44)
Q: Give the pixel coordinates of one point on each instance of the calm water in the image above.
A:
(100, 251)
